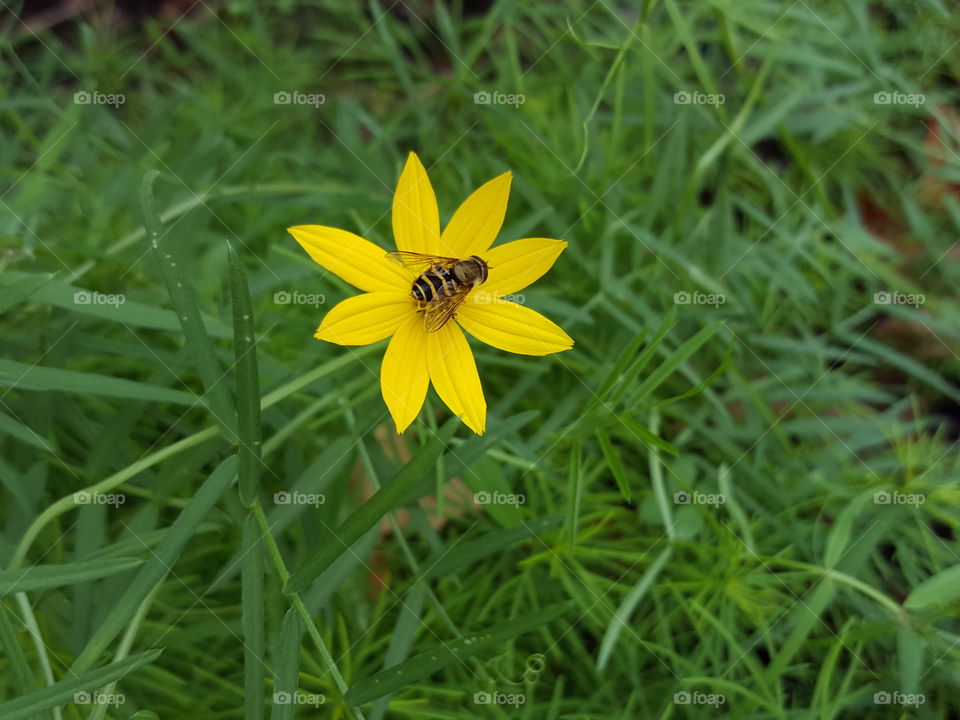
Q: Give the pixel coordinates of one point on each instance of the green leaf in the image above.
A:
(910, 651)
(160, 562)
(247, 382)
(674, 361)
(21, 289)
(373, 510)
(648, 437)
(575, 490)
(37, 377)
(401, 639)
(623, 374)
(910, 366)
(477, 446)
(842, 530)
(15, 428)
(420, 666)
(471, 551)
(251, 601)
(612, 457)
(287, 667)
(41, 577)
(941, 589)
(22, 679)
(629, 604)
(129, 312)
(184, 301)
(63, 691)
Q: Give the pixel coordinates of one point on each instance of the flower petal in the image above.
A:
(514, 265)
(367, 318)
(404, 376)
(351, 258)
(476, 223)
(511, 327)
(416, 220)
(454, 375)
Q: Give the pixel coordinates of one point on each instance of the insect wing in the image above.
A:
(436, 315)
(419, 261)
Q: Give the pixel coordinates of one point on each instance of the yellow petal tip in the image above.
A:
(402, 428)
(474, 426)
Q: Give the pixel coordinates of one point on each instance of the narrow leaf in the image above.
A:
(287, 663)
(421, 666)
(372, 511)
(41, 577)
(251, 601)
(160, 562)
(612, 457)
(184, 301)
(18, 291)
(941, 589)
(247, 382)
(64, 690)
(21, 376)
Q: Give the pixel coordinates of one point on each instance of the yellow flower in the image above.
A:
(386, 308)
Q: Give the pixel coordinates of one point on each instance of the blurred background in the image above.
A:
(737, 496)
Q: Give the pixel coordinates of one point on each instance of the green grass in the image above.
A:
(183, 397)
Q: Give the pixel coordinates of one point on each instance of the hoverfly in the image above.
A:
(443, 283)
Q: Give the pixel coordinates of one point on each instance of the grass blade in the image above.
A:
(676, 359)
(23, 678)
(372, 511)
(612, 457)
(629, 604)
(63, 691)
(941, 589)
(401, 640)
(160, 562)
(184, 301)
(287, 664)
(248, 382)
(420, 666)
(19, 290)
(41, 577)
(470, 552)
(251, 601)
(37, 377)
(15, 428)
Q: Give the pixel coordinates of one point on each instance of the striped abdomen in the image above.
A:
(441, 281)
(437, 282)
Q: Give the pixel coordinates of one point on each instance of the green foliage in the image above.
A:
(740, 483)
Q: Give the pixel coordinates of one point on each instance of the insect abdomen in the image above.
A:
(435, 282)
